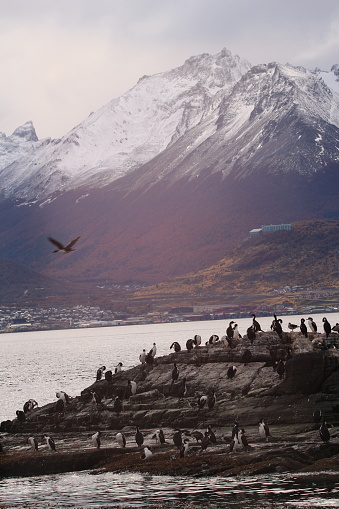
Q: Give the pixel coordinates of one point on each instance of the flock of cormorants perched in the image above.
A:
(181, 438)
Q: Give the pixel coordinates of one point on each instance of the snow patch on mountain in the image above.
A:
(128, 131)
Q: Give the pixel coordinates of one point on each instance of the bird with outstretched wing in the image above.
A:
(61, 248)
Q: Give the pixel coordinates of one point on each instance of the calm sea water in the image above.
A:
(37, 364)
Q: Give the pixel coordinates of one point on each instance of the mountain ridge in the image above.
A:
(205, 162)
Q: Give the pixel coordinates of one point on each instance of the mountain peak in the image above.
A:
(25, 132)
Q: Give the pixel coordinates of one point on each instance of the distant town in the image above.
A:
(19, 319)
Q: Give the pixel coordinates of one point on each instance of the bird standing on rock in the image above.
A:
(292, 326)
(312, 325)
(236, 334)
(205, 442)
(189, 345)
(276, 326)
(20, 415)
(117, 405)
(96, 440)
(264, 431)
(235, 444)
(184, 448)
(176, 346)
(211, 400)
(121, 439)
(96, 398)
(50, 443)
(131, 388)
(251, 334)
(100, 372)
(281, 368)
(142, 356)
(177, 438)
(147, 454)
(243, 439)
(154, 350)
(211, 434)
(303, 328)
(202, 400)
(256, 324)
(317, 416)
(118, 368)
(231, 372)
(229, 330)
(33, 443)
(139, 437)
(327, 327)
(175, 373)
(182, 392)
(197, 340)
(159, 437)
(324, 433)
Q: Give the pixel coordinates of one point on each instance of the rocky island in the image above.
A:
(218, 390)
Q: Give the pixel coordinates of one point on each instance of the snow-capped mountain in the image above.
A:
(127, 132)
(164, 179)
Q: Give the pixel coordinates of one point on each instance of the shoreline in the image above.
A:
(294, 451)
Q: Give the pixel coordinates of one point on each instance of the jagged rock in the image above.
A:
(257, 389)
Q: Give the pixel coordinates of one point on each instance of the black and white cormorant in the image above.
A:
(182, 391)
(312, 325)
(50, 443)
(202, 400)
(197, 340)
(251, 333)
(176, 346)
(189, 345)
(264, 431)
(32, 441)
(96, 439)
(121, 439)
(118, 368)
(100, 372)
(231, 372)
(324, 433)
(177, 438)
(139, 437)
(303, 328)
(211, 400)
(256, 324)
(327, 327)
(229, 330)
(117, 405)
(147, 454)
(276, 326)
(243, 439)
(175, 373)
(211, 434)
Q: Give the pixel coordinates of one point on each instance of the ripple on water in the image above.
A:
(109, 490)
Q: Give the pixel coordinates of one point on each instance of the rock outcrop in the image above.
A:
(283, 380)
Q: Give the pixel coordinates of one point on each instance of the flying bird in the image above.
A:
(61, 248)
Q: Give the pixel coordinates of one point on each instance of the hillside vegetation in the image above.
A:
(306, 256)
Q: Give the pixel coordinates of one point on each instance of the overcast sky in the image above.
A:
(63, 59)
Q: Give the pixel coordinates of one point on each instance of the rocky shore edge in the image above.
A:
(286, 400)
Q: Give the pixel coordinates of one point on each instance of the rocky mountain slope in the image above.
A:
(165, 179)
(249, 273)
(305, 256)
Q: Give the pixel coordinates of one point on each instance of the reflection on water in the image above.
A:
(136, 490)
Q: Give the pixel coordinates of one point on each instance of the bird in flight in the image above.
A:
(61, 247)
